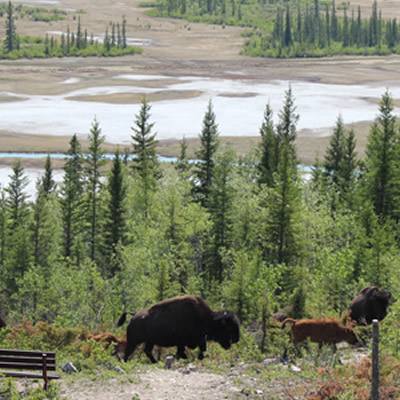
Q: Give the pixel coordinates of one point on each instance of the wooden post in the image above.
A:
(44, 371)
(375, 360)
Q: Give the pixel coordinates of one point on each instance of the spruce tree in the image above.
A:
(182, 164)
(348, 167)
(381, 162)
(208, 146)
(11, 39)
(16, 196)
(71, 193)
(19, 257)
(95, 160)
(220, 207)
(335, 152)
(114, 227)
(47, 181)
(268, 149)
(145, 162)
(287, 127)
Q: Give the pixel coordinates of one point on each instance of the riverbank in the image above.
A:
(309, 146)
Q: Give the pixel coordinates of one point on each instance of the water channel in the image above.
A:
(239, 106)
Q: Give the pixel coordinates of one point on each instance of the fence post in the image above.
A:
(375, 360)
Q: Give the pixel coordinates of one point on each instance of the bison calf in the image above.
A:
(321, 331)
(109, 338)
(106, 338)
(180, 321)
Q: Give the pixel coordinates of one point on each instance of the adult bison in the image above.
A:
(180, 321)
(371, 303)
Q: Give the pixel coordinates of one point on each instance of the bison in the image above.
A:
(321, 331)
(107, 339)
(371, 303)
(180, 321)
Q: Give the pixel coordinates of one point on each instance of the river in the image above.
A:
(239, 106)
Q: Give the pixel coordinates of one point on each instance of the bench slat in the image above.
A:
(29, 353)
(31, 360)
(19, 374)
(15, 365)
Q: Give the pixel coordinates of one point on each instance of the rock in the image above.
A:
(119, 369)
(69, 368)
(168, 362)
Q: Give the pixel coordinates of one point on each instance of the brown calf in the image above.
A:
(107, 339)
(321, 331)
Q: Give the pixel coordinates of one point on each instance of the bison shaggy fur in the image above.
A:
(371, 303)
(184, 321)
(321, 331)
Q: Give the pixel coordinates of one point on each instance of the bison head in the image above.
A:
(225, 329)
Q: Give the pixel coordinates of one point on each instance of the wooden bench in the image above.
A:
(25, 361)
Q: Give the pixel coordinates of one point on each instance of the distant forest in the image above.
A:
(71, 44)
(292, 28)
(251, 234)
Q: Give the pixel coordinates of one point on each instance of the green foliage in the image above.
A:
(70, 45)
(287, 29)
(280, 246)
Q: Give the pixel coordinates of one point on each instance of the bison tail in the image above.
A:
(122, 319)
(290, 320)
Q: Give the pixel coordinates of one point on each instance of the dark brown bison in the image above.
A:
(180, 321)
(371, 303)
(321, 331)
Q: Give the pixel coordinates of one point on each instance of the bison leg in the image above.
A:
(180, 353)
(130, 348)
(148, 350)
(202, 349)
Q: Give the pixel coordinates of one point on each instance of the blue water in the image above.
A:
(62, 155)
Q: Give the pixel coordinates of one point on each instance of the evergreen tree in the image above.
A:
(382, 155)
(287, 127)
(288, 28)
(19, 255)
(145, 162)
(11, 39)
(220, 206)
(47, 181)
(114, 227)
(284, 226)
(182, 164)
(17, 197)
(268, 149)
(95, 160)
(46, 231)
(335, 152)
(284, 200)
(3, 229)
(348, 168)
(205, 155)
(71, 196)
(124, 41)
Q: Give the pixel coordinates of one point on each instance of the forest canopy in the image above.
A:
(303, 28)
(252, 234)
